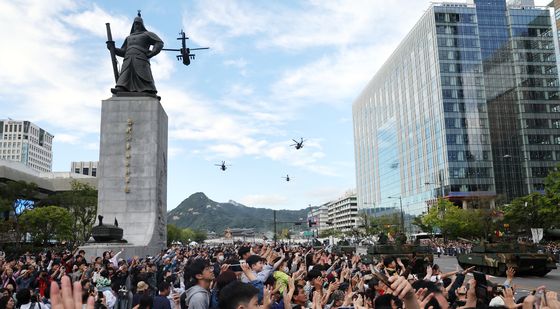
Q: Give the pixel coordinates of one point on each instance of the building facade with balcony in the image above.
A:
(343, 213)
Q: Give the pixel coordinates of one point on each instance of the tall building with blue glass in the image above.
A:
(467, 107)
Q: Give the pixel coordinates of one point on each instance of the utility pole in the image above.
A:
(274, 211)
(402, 213)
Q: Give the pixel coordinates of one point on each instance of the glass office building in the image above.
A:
(467, 107)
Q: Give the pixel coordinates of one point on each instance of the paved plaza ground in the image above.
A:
(524, 284)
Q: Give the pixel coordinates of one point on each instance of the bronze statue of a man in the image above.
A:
(136, 74)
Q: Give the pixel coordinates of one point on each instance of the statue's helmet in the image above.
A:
(138, 21)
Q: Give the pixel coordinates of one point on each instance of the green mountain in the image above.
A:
(200, 212)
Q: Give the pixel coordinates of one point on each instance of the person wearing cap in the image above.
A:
(198, 276)
(142, 288)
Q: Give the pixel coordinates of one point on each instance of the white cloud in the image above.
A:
(326, 193)
(67, 138)
(240, 64)
(313, 23)
(332, 79)
(175, 151)
(262, 200)
(92, 20)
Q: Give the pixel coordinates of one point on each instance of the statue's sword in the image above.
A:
(112, 51)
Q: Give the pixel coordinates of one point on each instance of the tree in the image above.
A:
(10, 193)
(47, 223)
(173, 234)
(426, 228)
(390, 224)
(532, 211)
(285, 234)
(200, 236)
(552, 192)
(330, 232)
(454, 221)
(81, 202)
(184, 236)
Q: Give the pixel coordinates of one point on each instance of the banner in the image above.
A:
(537, 235)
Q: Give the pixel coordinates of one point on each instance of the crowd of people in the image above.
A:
(247, 276)
(552, 248)
(451, 248)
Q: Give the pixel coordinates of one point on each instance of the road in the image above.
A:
(524, 284)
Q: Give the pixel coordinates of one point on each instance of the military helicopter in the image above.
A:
(298, 145)
(287, 177)
(185, 53)
(223, 166)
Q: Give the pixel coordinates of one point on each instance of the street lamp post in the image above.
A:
(402, 214)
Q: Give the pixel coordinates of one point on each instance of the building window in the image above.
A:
(538, 139)
(540, 155)
(85, 171)
(539, 172)
(77, 170)
(93, 171)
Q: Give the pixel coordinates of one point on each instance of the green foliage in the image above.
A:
(454, 221)
(47, 223)
(536, 210)
(390, 223)
(424, 227)
(330, 232)
(11, 191)
(81, 202)
(173, 234)
(199, 235)
(184, 236)
(532, 211)
(285, 234)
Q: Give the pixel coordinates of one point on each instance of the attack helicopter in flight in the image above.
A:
(223, 166)
(298, 145)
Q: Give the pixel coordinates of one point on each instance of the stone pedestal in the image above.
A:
(132, 174)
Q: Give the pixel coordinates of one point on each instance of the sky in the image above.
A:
(275, 71)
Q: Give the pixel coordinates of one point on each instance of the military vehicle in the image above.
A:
(495, 258)
(421, 255)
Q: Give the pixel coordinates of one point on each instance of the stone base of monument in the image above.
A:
(132, 174)
(130, 250)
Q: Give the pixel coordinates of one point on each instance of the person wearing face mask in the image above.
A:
(219, 260)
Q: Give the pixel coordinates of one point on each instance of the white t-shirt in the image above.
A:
(436, 279)
(31, 305)
(497, 301)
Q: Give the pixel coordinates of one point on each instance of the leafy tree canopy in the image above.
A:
(47, 223)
